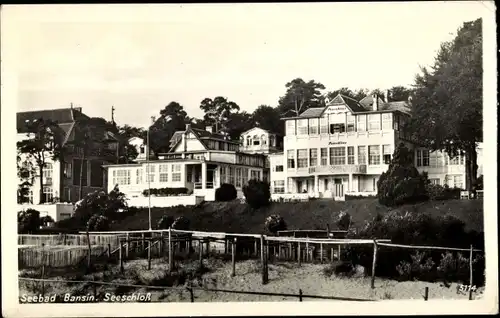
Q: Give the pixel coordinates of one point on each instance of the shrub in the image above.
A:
(339, 268)
(275, 223)
(226, 192)
(100, 202)
(181, 223)
(349, 197)
(165, 222)
(343, 221)
(98, 223)
(401, 183)
(439, 192)
(257, 193)
(417, 269)
(28, 221)
(165, 192)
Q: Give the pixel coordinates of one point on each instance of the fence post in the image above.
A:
(89, 263)
(191, 294)
(170, 254)
(128, 245)
(43, 269)
(300, 294)
(255, 248)
(160, 252)
(263, 260)
(338, 251)
(331, 254)
(374, 262)
(143, 243)
(426, 293)
(470, 271)
(268, 255)
(149, 254)
(109, 250)
(298, 253)
(233, 257)
(200, 254)
(121, 256)
(321, 252)
(307, 251)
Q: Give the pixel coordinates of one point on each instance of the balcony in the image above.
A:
(340, 169)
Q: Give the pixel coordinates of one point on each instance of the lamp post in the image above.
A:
(148, 172)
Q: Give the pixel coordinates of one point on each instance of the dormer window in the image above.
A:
(264, 139)
(256, 141)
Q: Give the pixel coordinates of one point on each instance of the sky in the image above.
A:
(138, 58)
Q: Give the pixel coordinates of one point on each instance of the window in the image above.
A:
(255, 174)
(387, 154)
(96, 174)
(302, 127)
(361, 122)
(231, 175)
(373, 122)
(244, 179)
(434, 181)
(163, 173)
(324, 156)
(290, 127)
(150, 173)
(302, 158)
(387, 121)
(67, 194)
(48, 193)
(436, 159)
(313, 157)
(337, 156)
(337, 123)
(454, 161)
(350, 155)
(278, 168)
(396, 122)
(176, 173)
(249, 141)
(462, 159)
(264, 139)
(422, 158)
(361, 155)
(238, 178)
(313, 126)
(291, 159)
(279, 186)
(77, 168)
(138, 176)
(47, 173)
(30, 196)
(121, 176)
(67, 170)
(457, 180)
(351, 123)
(374, 155)
(323, 125)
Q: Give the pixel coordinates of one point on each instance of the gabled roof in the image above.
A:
(254, 128)
(367, 102)
(202, 135)
(312, 112)
(399, 106)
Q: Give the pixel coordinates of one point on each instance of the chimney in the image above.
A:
(375, 102)
(209, 129)
(386, 97)
(188, 126)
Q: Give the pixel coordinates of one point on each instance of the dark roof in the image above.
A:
(312, 112)
(400, 106)
(202, 135)
(367, 102)
(352, 104)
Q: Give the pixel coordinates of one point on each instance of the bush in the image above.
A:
(181, 223)
(98, 223)
(401, 183)
(100, 202)
(349, 197)
(165, 222)
(439, 192)
(456, 268)
(28, 221)
(165, 192)
(343, 221)
(275, 223)
(339, 268)
(226, 192)
(257, 193)
(417, 268)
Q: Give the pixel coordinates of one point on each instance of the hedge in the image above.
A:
(165, 192)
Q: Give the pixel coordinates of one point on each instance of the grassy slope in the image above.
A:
(239, 218)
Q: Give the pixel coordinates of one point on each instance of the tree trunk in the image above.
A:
(81, 178)
(471, 168)
(468, 174)
(42, 198)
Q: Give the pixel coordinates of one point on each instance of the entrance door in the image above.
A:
(338, 188)
(299, 186)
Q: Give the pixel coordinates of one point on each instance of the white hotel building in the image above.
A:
(343, 148)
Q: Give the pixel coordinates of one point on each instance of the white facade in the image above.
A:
(344, 147)
(191, 163)
(258, 140)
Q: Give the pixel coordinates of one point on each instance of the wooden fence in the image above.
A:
(69, 239)
(30, 257)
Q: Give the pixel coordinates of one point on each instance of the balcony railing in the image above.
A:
(209, 185)
(340, 169)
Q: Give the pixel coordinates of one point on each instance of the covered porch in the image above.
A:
(318, 186)
(201, 176)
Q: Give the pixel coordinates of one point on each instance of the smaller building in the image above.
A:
(198, 160)
(258, 140)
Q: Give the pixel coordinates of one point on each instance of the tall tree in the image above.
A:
(448, 102)
(357, 95)
(238, 123)
(299, 96)
(399, 93)
(127, 152)
(26, 172)
(218, 112)
(268, 118)
(43, 144)
(172, 118)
